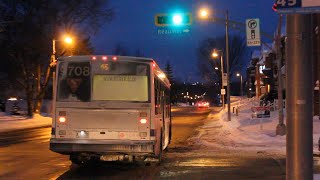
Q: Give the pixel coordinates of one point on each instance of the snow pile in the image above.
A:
(246, 133)
(8, 122)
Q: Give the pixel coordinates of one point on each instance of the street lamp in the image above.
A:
(239, 75)
(204, 14)
(67, 39)
(215, 55)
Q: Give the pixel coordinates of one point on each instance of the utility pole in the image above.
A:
(228, 65)
(241, 88)
(222, 74)
(299, 161)
(281, 127)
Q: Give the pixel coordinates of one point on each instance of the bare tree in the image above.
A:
(121, 50)
(139, 53)
(29, 29)
(207, 64)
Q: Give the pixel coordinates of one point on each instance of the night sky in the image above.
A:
(133, 26)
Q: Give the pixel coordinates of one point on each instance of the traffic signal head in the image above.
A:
(177, 19)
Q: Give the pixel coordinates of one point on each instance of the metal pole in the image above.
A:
(258, 81)
(281, 127)
(228, 69)
(240, 85)
(299, 165)
(222, 87)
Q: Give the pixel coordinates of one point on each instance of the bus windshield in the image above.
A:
(104, 81)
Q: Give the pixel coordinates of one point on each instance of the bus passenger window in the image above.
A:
(75, 83)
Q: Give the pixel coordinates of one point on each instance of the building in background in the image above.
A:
(266, 64)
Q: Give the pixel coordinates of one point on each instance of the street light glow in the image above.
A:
(215, 54)
(238, 74)
(216, 68)
(204, 13)
(68, 40)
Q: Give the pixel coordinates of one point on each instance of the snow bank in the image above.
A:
(246, 133)
(8, 122)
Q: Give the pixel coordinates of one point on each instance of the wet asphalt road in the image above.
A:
(26, 155)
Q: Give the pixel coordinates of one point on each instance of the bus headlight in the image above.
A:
(82, 134)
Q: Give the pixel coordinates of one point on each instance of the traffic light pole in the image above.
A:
(299, 162)
(228, 65)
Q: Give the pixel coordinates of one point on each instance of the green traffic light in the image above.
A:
(177, 19)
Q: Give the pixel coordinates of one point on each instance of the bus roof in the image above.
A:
(86, 57)
(97, 57)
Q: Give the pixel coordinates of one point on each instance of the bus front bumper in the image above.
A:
(68, 146)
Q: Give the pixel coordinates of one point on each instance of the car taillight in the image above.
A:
(143, 121)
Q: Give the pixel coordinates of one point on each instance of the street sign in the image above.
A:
(223, 91)
(166, 31)
(225, 79)
(253, 32)
(297, 6)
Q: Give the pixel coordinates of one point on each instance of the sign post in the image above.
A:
(253, 32)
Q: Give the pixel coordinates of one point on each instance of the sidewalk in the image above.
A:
(9, 122)
(246, 133)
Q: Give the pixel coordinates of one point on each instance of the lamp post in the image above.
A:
(215, 54)
(239, 75)
(204, 14)
(67, 40)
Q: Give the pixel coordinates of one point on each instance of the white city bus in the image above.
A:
(110, 108)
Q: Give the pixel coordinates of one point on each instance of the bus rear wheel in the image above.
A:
(82, 160)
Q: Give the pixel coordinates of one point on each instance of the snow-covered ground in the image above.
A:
(11, 122)
(246, 133)
(241, 133)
